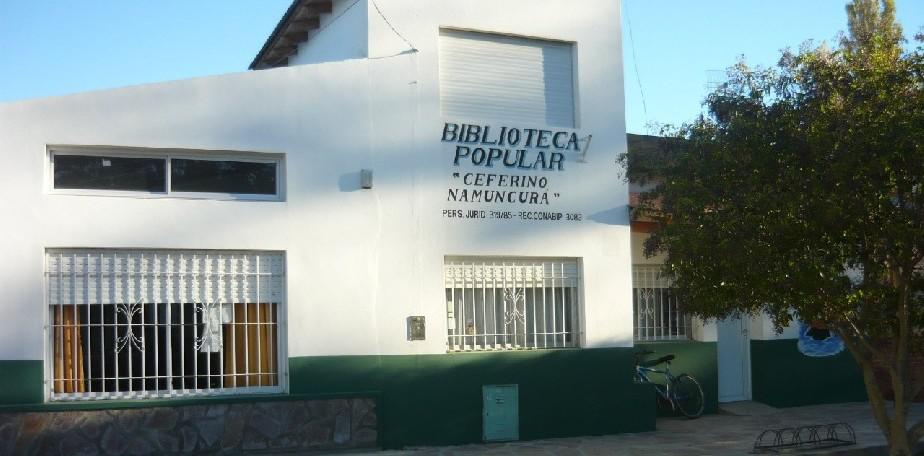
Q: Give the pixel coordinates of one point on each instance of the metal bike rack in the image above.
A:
(815, 436)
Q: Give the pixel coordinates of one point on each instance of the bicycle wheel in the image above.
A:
(687, 396)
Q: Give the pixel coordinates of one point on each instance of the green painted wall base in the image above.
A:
(437, 399)
(21, 382)
(695, 358)
(781, 376)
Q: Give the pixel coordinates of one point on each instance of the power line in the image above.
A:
(392, 27)
(638, 78)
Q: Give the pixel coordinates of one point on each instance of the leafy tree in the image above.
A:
(801, 195)
(871, 27)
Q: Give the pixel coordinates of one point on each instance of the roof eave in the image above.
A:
(293, 28)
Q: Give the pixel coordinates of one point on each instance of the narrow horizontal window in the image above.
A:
(155, 173)
(93, 172)
(213, 176)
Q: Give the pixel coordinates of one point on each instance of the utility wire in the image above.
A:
(393, 29)
(348, 8)
(638, 78)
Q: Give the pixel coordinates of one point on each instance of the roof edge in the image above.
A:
(294, 28)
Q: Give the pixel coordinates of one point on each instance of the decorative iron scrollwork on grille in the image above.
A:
(128, 312)
(513, 296)
(211, 339)
(646, 302)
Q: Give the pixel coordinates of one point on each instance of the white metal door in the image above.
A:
(734, 360)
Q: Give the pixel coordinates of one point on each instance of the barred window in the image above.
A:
(511, 304)
(143, 323)
(656, 309)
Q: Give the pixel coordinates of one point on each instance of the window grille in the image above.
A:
(656, 308)
(511, 304)
(141, 324)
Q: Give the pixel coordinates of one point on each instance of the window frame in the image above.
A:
(282, 348)
(653, 277)
(577, 333)
(575, 75)
(167, 155)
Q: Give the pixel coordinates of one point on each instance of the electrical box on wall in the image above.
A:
(416, 327)
(501, 413)
(365, 178)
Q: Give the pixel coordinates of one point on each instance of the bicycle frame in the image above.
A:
(663, 390)
(683, 392)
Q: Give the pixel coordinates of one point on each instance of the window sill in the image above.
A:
(512, 350)
(171, 195)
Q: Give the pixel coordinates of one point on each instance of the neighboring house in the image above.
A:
(396, 232)
(747, 357)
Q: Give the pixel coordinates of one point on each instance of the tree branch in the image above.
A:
(916, 432)
(862, 340)
(872, 389)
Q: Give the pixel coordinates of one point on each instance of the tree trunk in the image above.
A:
(899, 444)
(900, 439)
(893, 428)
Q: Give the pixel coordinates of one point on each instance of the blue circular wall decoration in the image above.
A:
(817, 341)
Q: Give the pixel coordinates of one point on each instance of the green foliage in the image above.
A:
(870, 27)
(803, 188)
(802, 192)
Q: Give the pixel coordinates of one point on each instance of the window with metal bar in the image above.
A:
(511, 303)
(656, 309)
(166, 323)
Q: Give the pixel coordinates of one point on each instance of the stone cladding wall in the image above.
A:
(300, 425)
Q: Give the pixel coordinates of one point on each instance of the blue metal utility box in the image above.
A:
(501, 413)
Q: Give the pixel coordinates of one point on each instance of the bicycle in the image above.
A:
(682, 392)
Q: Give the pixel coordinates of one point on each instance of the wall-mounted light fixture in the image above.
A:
(365, 178)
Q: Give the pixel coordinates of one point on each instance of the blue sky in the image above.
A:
(55, 47)
(678, 42)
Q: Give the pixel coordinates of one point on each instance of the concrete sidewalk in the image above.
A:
(729, 433)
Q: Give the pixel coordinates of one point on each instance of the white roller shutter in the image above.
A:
(490, 272)
(87, 276)
(496, 77)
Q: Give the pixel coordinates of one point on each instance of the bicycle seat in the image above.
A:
(655, 362)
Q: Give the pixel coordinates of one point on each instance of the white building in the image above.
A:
(414, 200)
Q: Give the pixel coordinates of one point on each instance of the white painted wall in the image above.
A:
(359, 261)
(593, 188)
(638, 251)
(762, 329)
(342, 35)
